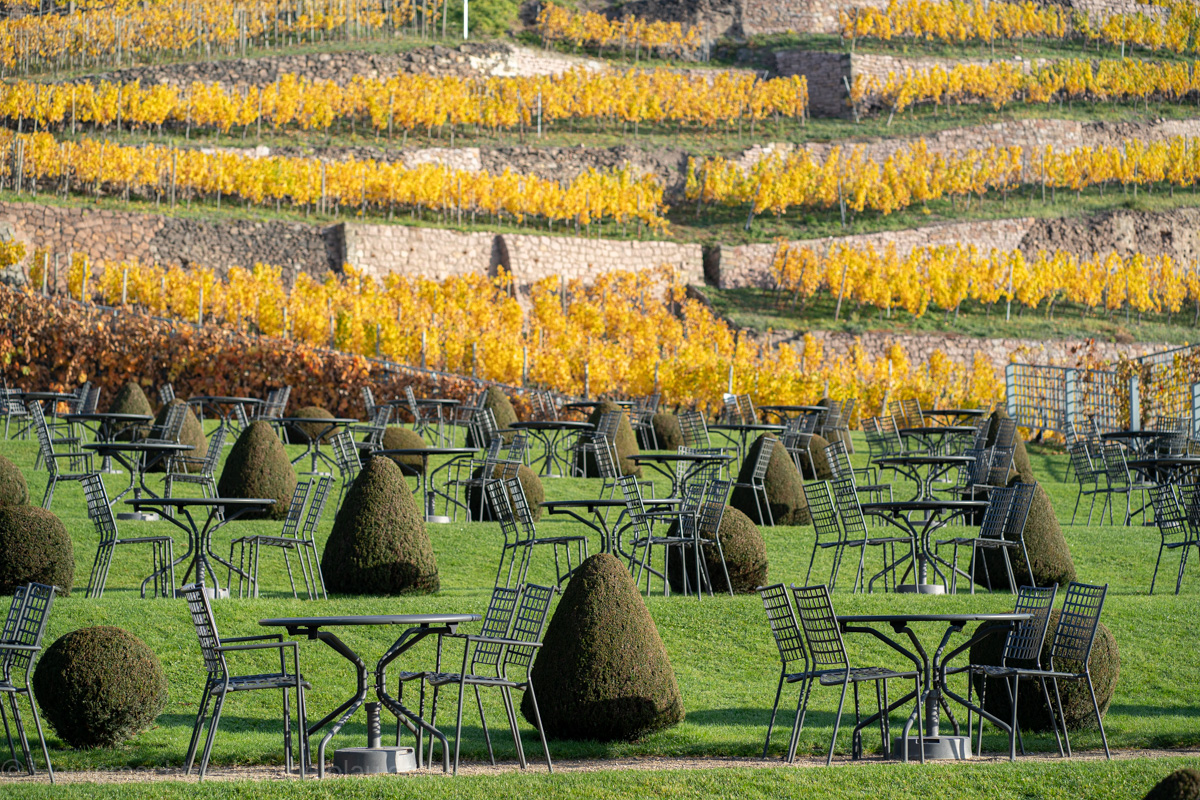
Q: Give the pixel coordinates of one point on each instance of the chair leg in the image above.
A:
(197, 726)
(798, 722)
(837, 721)
(774, 711)
(1053, 720)
(487, 736)
(1062, 716)
(212, 734)
(22, 739)
(537, 718)
(462, 685)
(511, 710)
(1095, 707)
(1012, 733)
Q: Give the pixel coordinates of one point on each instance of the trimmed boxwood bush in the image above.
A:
(603, 672)
(397, 438)
(303, 432)
(626, 443)
(191, 433)
(100, 687)
(817, 447)
(1020, 462)
(1182, 784)
(130, 399)
(34, 547)
(1077, 702)
(13, 489)
(535, 493)
(745, 557)
(378, 544)
(258, 466)
(666, 431)
(785, 489)
(1052, 562)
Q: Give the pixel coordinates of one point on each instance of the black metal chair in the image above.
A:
(828, 533)
(162, 554)
(839, 464)
(219, 683)
(790, 642)
(80, 463)
(1086, 475)
(507, 499)
(757, 483)
(348, 461)
(300, 538)
(1003, 529)
(695, 432)
(1006, 433)
(706, 524)
(20, 646)
(856, 534)
(180, 467)
(641, 419)
(829, 665)
(1118, 481)
(12, 407)
(641, 522)
(1023, 645)
(1176, 526)
(604, 436)
(515, 651)
(1073, 639)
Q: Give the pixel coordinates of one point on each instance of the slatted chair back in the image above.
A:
(521, 509)
(413, 407)
(1018, 515)
(206, 631)
(75, 404)
(695, 432)
(823, 509)
(832, 419)
(848, 409)
(747, 410)
(212, 456)
(1115, 467)
(285, 395)
(369, 401)
(1081, 462)
(1174, 438)
(999, 464)
(895, 410)
(889, 429)
(839, 460)
(705, 473)
(91, 401)
(1024, 642)
(549, 404)
(610, 423)
(14, 614)
(606, 463)
(295, 512)
(172, 425)
(98, 509)
(635, 509)
(239, 417)
(763, 461)
(498, 502)
(979, 440)
(807, 423)
(784, 628)
(731, 414)
(796, 442)
(518, 448)
(166, 393)
(974, 472)
(1006, 433)
(528, 625)
(712, 508)
(1169, 513)
(483, 426)
(318, 496)
(345, 455)
(496, 623)
(29, 630)
(538, 401)
(995, 517)
(43, 436)
(877, 446)
(1077, 623)
(821, 632)
(846, 496)
(689, 507)
(914, 417)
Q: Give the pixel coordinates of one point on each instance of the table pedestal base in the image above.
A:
(374, 760)
(921, 588)
(942, 748)
(440, 519)
(138, 516)
(212, 592)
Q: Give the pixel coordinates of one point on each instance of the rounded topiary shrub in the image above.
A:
(1105, 665)
(603, 672)
(258, 466)
(13, 489)
(535, 493)
(130, 399)
(1052, 562)
(378, 544)
(303, 432)
(192, 433)
(745, 557)
(626, 444)
(99, 687)
(820, 461)
(1020, 462)
(397, 438)
(34, 547)
(1182, 784)
(502, 410)
(666, 431)
(785, 488)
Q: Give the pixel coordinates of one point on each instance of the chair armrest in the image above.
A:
(259, 646)
(506, 642)
(23, 648)
(270, 637)
(76, 454)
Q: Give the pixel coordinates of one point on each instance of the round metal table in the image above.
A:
(107, 430)
(215, 402)
(660, 461)
(784, 412)
(140, 456)
(934, 436)
(743, 430)
(425, 479)
(1136, 441)
(374, 758)
(937, 514)
(313, 446)
(910, 467)
(933, 669)
(549, 432)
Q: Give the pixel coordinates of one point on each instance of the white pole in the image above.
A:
(466, 10)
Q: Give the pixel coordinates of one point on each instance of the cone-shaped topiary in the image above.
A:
(13, 489)
(258, 466)
(302, 432)
(378, 544)
(191, 433)
(1105, 666)
(603, 672)
(785, 489)
(130, 399)
(666, 431)
(34, 547)
(99, 687)
(397, 438)
(535, 493)
(1052, 562)
(1182, 784)
(626, 443)
(1020, 461)
(817, 447)
(745, 557)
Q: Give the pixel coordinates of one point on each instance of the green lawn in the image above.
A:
(721, 650)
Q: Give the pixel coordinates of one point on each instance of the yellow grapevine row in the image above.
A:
(1003, 83)
(913, 175)
(958, 21)
(946, 275)
(620, 331)
(155, 172)
(413, 102)
(130, 33)
(557, 24)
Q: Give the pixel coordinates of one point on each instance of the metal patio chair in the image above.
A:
(1118, 481)
(840, 466)
(162, 553)
(20, 646)
(1087, 476)
(80, 463)
(507, 499)
(296, 536)
(1176, 527)
(856, 534)
(757, 483)
(348, 461)
(1003, 529)
(179, 466)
